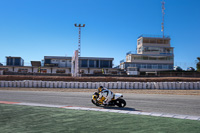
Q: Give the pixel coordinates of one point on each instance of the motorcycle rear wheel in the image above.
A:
(120, 103)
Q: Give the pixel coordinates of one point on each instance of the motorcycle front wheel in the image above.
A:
(120, 103)
(95, 103)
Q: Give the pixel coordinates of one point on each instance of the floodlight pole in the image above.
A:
(79, 38)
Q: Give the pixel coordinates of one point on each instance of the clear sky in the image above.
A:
(33, 29)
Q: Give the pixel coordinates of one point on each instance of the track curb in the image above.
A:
(176, 116)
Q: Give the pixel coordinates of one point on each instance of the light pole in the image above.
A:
(79, 38)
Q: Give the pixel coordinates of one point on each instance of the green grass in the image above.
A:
(27, 119)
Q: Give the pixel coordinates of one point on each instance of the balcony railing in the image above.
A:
(131, 52)
(154, 36)
(122, 61)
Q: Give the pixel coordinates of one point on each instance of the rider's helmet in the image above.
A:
(100, 88)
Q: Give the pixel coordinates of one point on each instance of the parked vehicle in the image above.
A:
(177, 68)
(190, 69)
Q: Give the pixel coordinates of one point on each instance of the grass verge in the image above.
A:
(27, 119)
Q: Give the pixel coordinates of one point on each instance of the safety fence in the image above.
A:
(110, 85)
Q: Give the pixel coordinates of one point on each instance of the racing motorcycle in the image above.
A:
(116, 100)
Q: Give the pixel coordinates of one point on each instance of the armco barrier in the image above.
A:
(110, 85)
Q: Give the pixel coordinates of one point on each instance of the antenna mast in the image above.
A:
(163, 13)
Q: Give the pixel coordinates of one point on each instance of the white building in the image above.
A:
(62, 65)
(154, 53)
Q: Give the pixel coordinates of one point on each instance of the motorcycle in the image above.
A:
(116, 100)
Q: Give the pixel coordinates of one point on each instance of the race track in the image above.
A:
(172, 104)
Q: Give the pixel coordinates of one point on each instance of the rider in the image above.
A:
(105, 93)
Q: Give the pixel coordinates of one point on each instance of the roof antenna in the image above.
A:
(163, 13)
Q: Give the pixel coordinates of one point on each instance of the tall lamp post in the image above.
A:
(79, 38)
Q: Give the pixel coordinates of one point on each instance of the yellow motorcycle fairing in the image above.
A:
(94, 97)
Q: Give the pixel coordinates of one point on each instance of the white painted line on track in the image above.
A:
(104, 110)
(114, 111)
(156, 114)
(193, 118)
(124, 112)
(180, 116)
(145, 113)
(40, 105)
(93, 109)
(135, 112)
(108, 110)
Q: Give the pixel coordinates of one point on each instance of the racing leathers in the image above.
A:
(107, 94)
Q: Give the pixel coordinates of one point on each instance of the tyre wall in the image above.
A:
(110, 85)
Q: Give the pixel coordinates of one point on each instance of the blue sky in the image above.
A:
(33, 29)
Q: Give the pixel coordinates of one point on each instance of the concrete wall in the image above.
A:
(110, 85)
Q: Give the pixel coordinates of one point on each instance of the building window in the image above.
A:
(140, 50)
(138, 58)
(91, 63)
(138, 65)
(60, 71)
(165, 67)
(47, 61)
(129, 58)
(42, 70)
(159, 66)
(23, 70)
(149, 66)
(84, 63)
(171, 67)
(17, 62)
(4, 69)
(97, 63)
(145, 58)
(152, 58)
(143, 66)
(154, 66)
(105, 64)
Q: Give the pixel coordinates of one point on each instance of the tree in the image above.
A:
(198, 64)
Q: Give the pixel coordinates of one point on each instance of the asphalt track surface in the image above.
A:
(169, 104)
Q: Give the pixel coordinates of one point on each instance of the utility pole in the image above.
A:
(79, 38)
